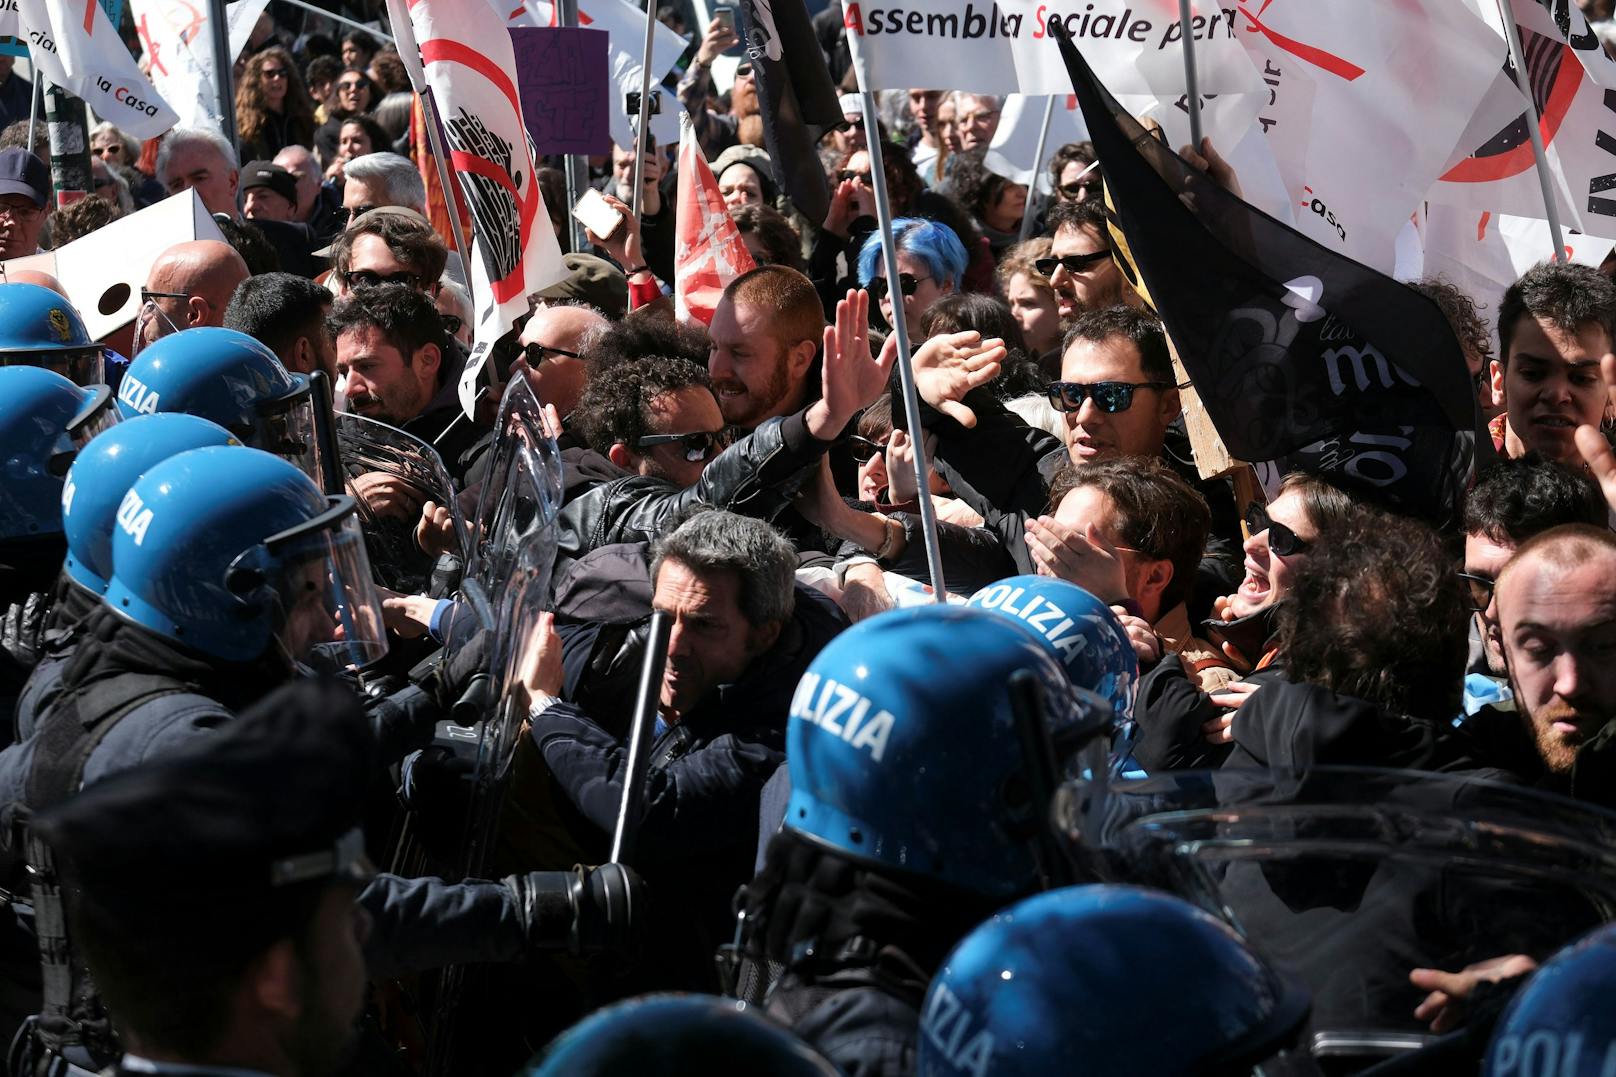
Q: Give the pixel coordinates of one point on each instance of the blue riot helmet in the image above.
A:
(1074, 981)
(103, 473)
(231, 379)
(45, 420)
(40, 328)
(1560, 1022)
(675, 1036)
(905, 749)
(233, 552)
(1080, 630)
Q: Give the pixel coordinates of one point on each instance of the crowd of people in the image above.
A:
(1180, 776)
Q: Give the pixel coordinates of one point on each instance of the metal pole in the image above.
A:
(1191, 84)
(642, 133)
(1517, 58)
(33, 105)
(224, 71)
(441, 160)
(906, 374)
(1027, 214)
(334, 17)
(575, 166)
(68, 127)
(640, 737)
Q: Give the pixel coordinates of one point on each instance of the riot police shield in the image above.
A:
(391, 474)
(1348, 879)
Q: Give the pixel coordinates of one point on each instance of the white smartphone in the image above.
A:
(594, 214)
(725, 15)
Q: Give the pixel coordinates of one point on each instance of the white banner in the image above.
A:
(79, 50)
(625, 23)
(1015, 143)
(1493, 167)
(177, 41)
(1360, 105)
(469, 64)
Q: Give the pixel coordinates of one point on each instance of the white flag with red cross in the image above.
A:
(78, 48)
(708, 249)
(470, 67)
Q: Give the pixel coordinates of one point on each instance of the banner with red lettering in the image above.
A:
(183, 74)
(76, 46)
(708, 251)
(470, 68)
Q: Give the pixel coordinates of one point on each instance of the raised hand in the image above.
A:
(850, 378)
(1595, 447)
(952, 364)
(623, 244)
(1087, 560)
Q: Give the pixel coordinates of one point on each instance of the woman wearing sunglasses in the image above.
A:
(273, 110)
(931, 261)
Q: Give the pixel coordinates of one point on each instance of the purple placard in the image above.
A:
(565, 84)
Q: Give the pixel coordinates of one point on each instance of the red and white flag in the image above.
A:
(77, 47)
(708, 250)
(470, 66)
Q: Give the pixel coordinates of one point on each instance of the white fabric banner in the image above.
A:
(625, 23)
(1015, 143)
(1492, 168)
(177, 42)
(469, 64)
(1361, 104)
(78, 48)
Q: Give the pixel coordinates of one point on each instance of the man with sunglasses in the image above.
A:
(189, 285)
(388, 245)
(554, 342)
(1079, 265)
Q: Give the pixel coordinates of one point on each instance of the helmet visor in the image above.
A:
(96, 416)
(289, 433)
(81, 366)
(324, 591)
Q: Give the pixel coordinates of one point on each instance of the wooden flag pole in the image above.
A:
(1191, 83)
(1517, 59)
(1027, 213)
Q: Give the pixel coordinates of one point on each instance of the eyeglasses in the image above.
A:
(854, 124)
(1281, 539)
(274, 72)
(698, 446)
(349, 87)
(744, 71)
(149, 296)
(20, 207)
(1480, 589)
(1074, 263)
(452, 323)
(907, 283)
(1108, 396)
(535, 353)
(861, 178)
(359, 211)
(1077, 190)
(110, 150)
(369, 278)
(863, 449)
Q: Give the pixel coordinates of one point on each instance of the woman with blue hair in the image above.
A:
(931, 261)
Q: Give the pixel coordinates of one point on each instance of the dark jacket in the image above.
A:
(698, 827)
(443, 424)
(61, 639)
(756, 476)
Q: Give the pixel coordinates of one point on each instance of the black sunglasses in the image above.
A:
(535, 353)
(1109, 396)
(1072, 190)
(907, 283)
(862, 178)
(698, 446)
(1281, 539)
(1074, 263)
(1480, 589)
(863, 448)
(451, 323)
(360, 211)
(274, 72)
(369, 278)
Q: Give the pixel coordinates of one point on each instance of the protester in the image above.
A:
(556, 343)
(189, 285)
(287, 314)
(273, 110)
(931, 263)
(1032, 301)
(269, 192)
(25, 192)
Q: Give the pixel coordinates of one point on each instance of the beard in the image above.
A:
(1558, 749)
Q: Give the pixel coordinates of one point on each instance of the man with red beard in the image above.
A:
(1556, 603)
(765, 337)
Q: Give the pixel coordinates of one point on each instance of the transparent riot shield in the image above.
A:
(1349, 878)
(391, 474)
(521, 429)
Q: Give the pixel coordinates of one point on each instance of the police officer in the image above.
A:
(1559, 1025)
(913, 815)
(1071, 981)
(40, 328)
(44, 420)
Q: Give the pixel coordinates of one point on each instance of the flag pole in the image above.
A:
(224, 71)
(1517, 58)
(906, 374)
(33, 104)
(1027, 214)
(1191, 83)
(643, 127)
(575, 167)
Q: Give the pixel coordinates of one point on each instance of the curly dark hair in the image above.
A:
(1463, 313)
(617, 409)
(1158, 513)
(1080, 152)
(380, 140)
(1381, 616)
(1141, 327)
(975, 186)
(252, 111)
(1516, 499)
(406, 319)
(989, 315)
(78, 219)
(1565, 294)
(638, 338)
(781, 243)
(1089, 213)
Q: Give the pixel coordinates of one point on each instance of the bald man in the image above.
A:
(552, 346)
(1556, 604)
(36, 276)
(189, 285)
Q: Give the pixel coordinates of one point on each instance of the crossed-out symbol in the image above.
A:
(1312, 54)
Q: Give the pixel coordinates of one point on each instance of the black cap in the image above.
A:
(271, 175)
(205, 841)
(23, 173)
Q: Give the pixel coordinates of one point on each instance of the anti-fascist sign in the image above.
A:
(83, 53)
(1004, 46)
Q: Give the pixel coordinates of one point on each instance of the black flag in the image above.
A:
(1304, 358)
(796, 94)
